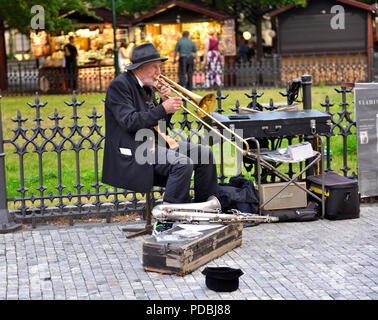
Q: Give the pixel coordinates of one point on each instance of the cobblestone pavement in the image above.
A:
(310, 260)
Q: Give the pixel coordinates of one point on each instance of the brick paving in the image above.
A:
(330, 260)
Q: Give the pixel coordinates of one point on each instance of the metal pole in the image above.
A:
(306, 85)
(307, 105)
(371, 74)
(6, 222)
(116, 66)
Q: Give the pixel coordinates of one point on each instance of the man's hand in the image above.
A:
(173, 104)
(164, 91)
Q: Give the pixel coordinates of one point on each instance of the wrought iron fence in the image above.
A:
(28, 77)
(74, 140)
(273, 71)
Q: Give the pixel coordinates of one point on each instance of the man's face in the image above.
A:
(147, 72)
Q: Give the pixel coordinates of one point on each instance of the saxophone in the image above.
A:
(209, 211)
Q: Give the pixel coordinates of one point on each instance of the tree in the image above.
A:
(17, 14)
(129, 7)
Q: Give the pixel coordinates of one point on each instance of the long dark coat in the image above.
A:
(127, 111)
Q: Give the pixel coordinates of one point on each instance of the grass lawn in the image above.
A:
(10, 106)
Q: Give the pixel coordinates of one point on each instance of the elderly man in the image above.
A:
(131, 110)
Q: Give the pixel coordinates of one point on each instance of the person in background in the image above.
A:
(268, 34)
(129, 51)
(122, 56)
(187, 51)
(250, 51)
(242, 51)
(70, 55)
(213, 62)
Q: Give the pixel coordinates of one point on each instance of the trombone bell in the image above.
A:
(206, 103)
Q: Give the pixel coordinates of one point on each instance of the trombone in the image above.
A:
(204, 105)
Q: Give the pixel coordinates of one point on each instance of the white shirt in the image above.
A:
(139, 81)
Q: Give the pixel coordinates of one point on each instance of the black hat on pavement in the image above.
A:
(222, 279)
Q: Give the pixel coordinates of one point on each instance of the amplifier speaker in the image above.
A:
(291, 197)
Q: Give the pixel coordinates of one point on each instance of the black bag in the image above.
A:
(310, 213)
(239, 194)
(341, 195)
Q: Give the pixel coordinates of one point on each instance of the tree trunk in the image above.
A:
(3, 58)
(259, 53)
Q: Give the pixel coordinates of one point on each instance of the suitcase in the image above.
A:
(341, 195)
(183, 257)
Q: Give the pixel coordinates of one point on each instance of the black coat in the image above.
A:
(127, 111)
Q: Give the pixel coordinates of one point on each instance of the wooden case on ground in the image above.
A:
(184, 256)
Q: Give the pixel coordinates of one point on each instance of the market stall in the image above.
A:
(341, 36)
(164, 27)
(94, 41)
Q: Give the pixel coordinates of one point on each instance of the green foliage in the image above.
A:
(17, 13)
(253, 10)
(128, 7)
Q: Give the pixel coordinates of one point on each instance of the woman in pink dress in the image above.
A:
(213, 62)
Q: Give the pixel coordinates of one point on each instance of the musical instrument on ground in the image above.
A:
(203, 106)
(209, 211)
(283, 107)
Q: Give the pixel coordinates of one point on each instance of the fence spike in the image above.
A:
(237, 106)
(74, 100)
(219, 99)
(37, 102)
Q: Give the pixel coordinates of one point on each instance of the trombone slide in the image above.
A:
(202, 103)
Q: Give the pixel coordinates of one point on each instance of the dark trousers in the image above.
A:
(177, 167)
(71, 76)
(185, 72)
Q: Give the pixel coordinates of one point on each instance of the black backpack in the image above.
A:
(310, 213)
(239, 193)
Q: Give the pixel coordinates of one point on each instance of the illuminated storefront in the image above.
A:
(94, 41)
(164, 27)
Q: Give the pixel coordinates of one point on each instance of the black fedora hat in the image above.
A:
(146, 52)
(222, 279)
